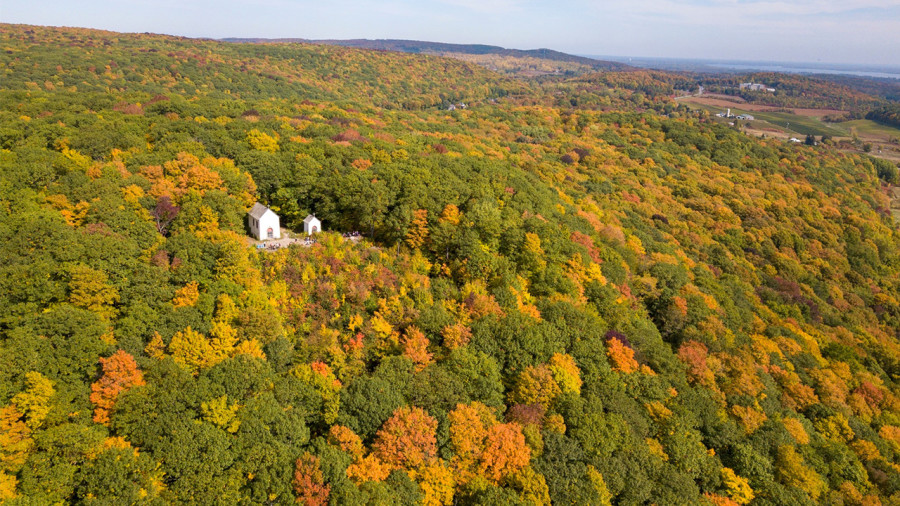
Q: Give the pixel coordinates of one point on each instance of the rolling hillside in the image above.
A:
(573, 291)
(515, 61)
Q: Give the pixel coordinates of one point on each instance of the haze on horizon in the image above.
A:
(833, 31)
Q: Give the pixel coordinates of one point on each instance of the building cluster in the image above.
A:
(756, 87)
(264, 224)
(728, 114)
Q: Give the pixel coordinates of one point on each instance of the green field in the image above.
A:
(865, 127)
(804, 125)
(801, 125)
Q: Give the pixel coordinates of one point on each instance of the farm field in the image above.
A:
(802, 122)
(725, 101)
(871, 128)
(804, 125)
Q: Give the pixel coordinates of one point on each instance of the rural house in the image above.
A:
(312, 225)
(264, 223)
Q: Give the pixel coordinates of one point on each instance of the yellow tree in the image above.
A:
(418, 229)
(436, 481)
(738, 488)
(533, 488)
(262, 141)
(535, 385)
(15, 440)
(532, 256)
(451, 215)
(468, 430)
(193, 350)
(8, 484)
(791, 471)
(88, 288)
(219, 413)
(187, 295)
(156, 348)
(566, 373)
(34, 401)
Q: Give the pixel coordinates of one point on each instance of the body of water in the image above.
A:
(805, 70)
(700, 65)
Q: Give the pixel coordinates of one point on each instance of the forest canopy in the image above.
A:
(571, 291)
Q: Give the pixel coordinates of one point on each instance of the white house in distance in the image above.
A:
(264, 223)
(312, 225)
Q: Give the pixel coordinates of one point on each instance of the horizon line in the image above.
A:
(594, 56)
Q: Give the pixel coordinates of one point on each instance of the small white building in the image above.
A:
(312, 225)
(264, 223)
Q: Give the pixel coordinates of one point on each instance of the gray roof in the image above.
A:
(258, 210)
(310, 218)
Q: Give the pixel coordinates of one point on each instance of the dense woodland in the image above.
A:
(888, 115)
(571, 292)
(794, 90)
(881, 87)
(509, 61)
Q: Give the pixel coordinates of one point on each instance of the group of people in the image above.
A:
(307, 241)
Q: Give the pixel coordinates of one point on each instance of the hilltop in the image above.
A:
(96, 61)
(516, 61)
(573, 291)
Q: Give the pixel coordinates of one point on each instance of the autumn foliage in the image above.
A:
(621, 356)
(415, 347)
(120, 374)
(575, 290)
(483, 446)
(407, 439)
(309, 483)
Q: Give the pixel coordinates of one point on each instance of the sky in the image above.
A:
(832, 31)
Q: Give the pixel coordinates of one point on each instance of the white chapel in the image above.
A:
(264, 223)
(312, 225)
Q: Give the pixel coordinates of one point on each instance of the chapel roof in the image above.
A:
(258, 210)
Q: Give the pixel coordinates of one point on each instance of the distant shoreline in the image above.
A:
(702, 65)
(806, 70)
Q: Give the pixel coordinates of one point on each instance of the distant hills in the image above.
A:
(425, 47)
